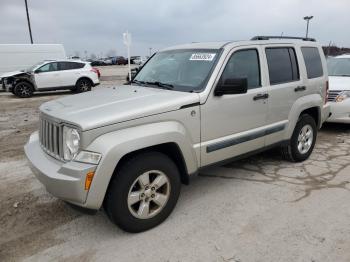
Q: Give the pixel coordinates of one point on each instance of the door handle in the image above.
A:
(261, 96)
(299, 88)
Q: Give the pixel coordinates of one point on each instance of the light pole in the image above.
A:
(307, 19)
(30, 30)
(150, 51)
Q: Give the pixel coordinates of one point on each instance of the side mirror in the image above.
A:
(37, 71)
(231, 86)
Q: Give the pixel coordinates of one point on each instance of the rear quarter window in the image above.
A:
(313, 62)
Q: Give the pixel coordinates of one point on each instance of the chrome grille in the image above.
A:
(50, 135)
(332, 95)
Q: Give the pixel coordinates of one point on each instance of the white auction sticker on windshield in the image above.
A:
(202, 57)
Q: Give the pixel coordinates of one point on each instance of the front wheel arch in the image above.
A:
(170, 149)
(16, 92)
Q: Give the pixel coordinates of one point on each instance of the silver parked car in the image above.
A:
(339, 88)
(130, 148)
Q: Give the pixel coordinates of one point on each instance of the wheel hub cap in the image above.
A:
(148, 194)
(305, 139)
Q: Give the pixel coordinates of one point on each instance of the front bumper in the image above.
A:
(340, 112)
(63, 180)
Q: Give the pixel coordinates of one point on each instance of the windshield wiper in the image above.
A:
(138, 82)
(160, 84)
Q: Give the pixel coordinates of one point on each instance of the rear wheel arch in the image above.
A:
(314, 112)
(83, 78)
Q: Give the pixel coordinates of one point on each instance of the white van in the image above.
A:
(16, 57)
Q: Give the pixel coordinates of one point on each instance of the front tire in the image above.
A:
(23, 90)
(143, 192)
(303, 140)
(83, 85)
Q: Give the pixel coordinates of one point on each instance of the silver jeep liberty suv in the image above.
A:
(129, 148)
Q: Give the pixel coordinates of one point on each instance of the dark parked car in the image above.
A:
(120, 60)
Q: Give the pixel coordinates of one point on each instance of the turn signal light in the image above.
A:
(88, 180)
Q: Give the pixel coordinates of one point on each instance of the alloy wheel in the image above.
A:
(149, 194)
(305, 139)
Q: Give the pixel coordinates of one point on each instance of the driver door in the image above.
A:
(47, 76)
(234, 124)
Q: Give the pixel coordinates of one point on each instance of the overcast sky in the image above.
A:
(97, 26)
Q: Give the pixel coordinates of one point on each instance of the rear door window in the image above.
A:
(313, 62)
(71, 65)
(282, 64)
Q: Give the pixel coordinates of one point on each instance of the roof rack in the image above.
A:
(263, 37)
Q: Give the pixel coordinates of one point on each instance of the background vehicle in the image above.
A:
(15, 57)
(140, 60)
(339, 88)
(77, 76)
(188, 108)
(120, 60)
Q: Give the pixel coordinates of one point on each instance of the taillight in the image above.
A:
(96, 71)
(327, 92)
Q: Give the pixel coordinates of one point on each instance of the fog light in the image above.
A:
(88, 180)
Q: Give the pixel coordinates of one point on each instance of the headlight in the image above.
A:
(88, 157)
(71, 143)
(342, 96)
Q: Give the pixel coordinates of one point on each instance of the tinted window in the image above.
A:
(243, 64)
(312, 62)
(48, 67)
(283, 65)
(71, 65)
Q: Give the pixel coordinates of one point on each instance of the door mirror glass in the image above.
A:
(232, 86)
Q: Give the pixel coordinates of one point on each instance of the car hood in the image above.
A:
(339, 83)
(12, 73)
(106, 106)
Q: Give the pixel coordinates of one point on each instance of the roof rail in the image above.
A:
(263, 37)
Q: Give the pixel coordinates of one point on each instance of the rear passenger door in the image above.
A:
(285, 87)
(70, 72)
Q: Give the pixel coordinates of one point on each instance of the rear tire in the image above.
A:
(143, 192)
(83, 85)
(23, 90)
(303, 140)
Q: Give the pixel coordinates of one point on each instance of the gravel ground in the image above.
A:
(258, 209)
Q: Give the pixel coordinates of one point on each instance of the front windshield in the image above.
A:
(338, 66)
(185, 70)
(30, 69)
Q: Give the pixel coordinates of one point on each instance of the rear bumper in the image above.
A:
(63, 180)
(326, 113)
(340, 112)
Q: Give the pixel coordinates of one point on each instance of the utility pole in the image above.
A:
(307, 19)
(30, 29)
(150, 51)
